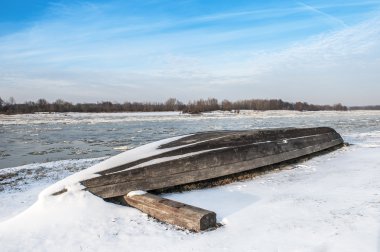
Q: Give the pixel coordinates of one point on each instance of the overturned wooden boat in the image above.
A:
(204, 156)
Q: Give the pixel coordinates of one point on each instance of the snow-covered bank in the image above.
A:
(329, 203)
(20, 186)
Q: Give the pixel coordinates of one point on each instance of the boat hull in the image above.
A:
(210, 155)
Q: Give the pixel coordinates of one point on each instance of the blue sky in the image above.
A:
(88, 51)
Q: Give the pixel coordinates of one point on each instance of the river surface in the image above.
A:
(52, 146)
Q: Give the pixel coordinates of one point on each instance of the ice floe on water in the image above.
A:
(94, 118)
(366, 139)
(121, 148)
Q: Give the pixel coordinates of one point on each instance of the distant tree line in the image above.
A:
(212, 104)
(10, 106)
(375, 107)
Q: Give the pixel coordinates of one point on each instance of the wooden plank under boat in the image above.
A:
(204, 156)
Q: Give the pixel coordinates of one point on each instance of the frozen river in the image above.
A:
(36, 138)
(329, 203)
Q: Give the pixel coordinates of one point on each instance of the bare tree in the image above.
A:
(11, 100)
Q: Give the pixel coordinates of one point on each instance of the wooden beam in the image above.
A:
(172, 212)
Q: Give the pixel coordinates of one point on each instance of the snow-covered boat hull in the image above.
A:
(209, 155)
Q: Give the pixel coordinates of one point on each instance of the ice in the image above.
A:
(121, 148)
(99, 118)
(76, 118)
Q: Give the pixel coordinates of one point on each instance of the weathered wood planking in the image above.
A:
(220, 157)
(209, 155)
(173, 212)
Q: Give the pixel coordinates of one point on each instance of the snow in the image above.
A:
(328, 203)
(20, 190)
(47, 166)
(136, 193)
(15, 202)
